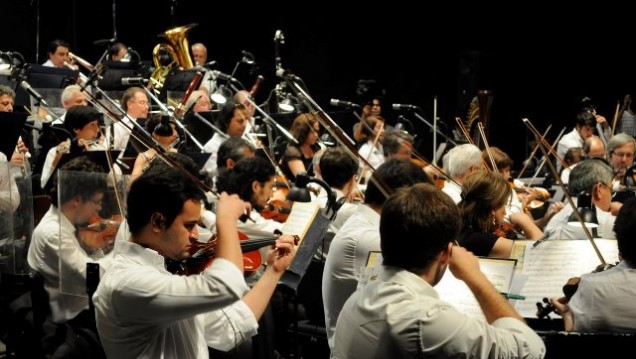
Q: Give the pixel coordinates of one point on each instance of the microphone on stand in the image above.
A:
(209, 64)
(223, 76)
(398, 106)
(133, 81)
(345, 104)
(286, 74)
(248, 58)
(102, 42)
(36, 95)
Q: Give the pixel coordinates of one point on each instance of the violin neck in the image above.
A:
(253, 244)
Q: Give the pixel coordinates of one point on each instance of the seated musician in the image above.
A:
(164, 132)
(232, 119)
(372, 150)
(82, 122)
(603, 301)
(620, 153)
(519, 201)
(58, 233)
(298, 157)
(358, 236)
(136, 104)
(400, 315)
(594, 177)
(459, 163)
(485, 195)
(142, 310)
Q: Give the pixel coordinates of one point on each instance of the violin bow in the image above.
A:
(482, 133)
(375, 142)
(461, 126)
(537, 136)
(534, 151)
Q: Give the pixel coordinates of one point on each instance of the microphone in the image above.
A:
(398, 106)
(345, 104)
(279, 37)
(104, 42)
(25, 85)
(133, 81)
(222, 76)
(209, 64)
(248, 58)
(286, 74)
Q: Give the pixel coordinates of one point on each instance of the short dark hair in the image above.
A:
(585, 118)
(163, 192)
(239, 179)
(92, 181)
(625, 228)
(395, 173)
(79, 116)
(417, 223)
(226, 113)
(337, 167)
(392, 142)
(54, 44)
(233, 148)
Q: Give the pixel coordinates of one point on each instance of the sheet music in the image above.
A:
(301, 216)
(547, 267)
(452, 290)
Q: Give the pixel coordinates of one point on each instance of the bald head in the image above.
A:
(594, 147)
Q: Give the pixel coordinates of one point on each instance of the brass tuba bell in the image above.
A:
(178, 50)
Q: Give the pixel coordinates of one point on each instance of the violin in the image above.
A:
(276, 210)
(99, 233)
(202, 255)
(506, 230)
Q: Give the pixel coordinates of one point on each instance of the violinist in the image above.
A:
(298, 157)
(520, 198)
(483, 206)
(593, 177)
(593, 147)
(620, 152)
(232, 120)
(372, 149)
(339, 171)
(358, 236)
(459, 163)
(71, 207)
(164, 132)
(252, 179)
(142, 310)
(604, 301)
(82, 122)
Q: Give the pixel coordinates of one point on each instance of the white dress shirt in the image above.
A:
(604, 302)
(558, 228)
(122, 134)
(348, 253)
(342, 216)
(571, 139)
(55, 252)
(9, 194)
(143, 311)
(453, 190)
(212, 147)
(373, 155)
(401, 316)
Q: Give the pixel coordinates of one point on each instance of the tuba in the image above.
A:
(177, 49)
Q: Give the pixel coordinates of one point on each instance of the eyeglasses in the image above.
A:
(623, 154)
(608, 186)
(142, 102)
(97, 203)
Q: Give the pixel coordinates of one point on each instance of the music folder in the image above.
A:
(11, 124)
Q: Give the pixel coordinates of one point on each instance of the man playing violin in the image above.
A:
(620, 153)
(59, 228)
(142, 310)
(604, 302)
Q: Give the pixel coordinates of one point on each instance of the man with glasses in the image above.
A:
(620, 152)
(136, 104)
(59, 249)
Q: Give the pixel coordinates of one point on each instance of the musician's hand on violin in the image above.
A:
(281, 254)
(562, 308)
(100, 234)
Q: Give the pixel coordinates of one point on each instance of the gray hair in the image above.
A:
(587, 174)
(6, 90)
(69, 91)
(462, 158)
(618, 141)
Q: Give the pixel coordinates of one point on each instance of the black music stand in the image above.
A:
(177, 80)
(115, 71)
(200, 158)
(201, 131)
(306, 250)
(11, 124)
(98, 157)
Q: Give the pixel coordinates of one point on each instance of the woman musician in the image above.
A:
(297, 158)
(164, 132)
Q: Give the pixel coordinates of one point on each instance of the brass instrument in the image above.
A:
(179, 51)
(74, 59)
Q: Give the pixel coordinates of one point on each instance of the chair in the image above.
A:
(560, 344)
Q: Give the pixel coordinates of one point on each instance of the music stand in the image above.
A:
(201, 131)
(97, 157)
(11, 124)
(115, 71)
(200, 158)
(177, 80)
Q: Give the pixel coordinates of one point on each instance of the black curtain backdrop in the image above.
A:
(538, 63)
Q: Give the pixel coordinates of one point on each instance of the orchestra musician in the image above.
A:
(58, 53)
(297, 158)
(459, 163)
(603, 301)
(232, 120)
(357, 237)
(164, 132)
(483, 206)
(400, 314)
(142, 310)
(584, 128)
(620, 152)
(593, 177)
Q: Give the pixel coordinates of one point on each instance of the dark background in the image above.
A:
(537, 62)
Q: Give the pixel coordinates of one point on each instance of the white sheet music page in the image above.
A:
(452, 290)
(544, 269)
(300, 218)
